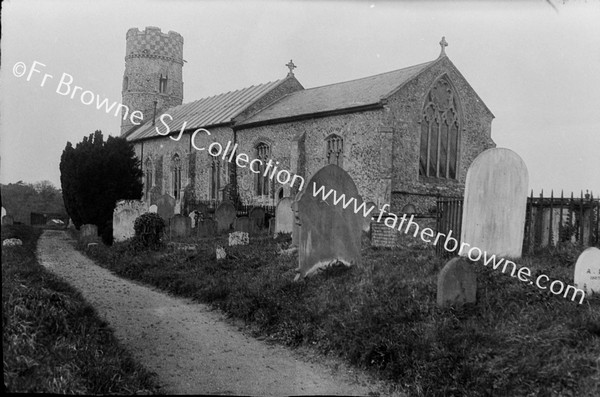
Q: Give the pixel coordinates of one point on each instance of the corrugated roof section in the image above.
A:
(349, 94)
(205, 112)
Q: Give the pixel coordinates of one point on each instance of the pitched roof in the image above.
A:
(205, 112)
(349, 94)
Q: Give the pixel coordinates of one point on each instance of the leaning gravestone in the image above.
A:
(225, 215)
(587, 271)
(329, 233)
(284, 216)
(456, 283)
(7, 220)
(180, 226)
(124, 216)
(165, 207)
(257, 218)
(242, 224)
(495, 202)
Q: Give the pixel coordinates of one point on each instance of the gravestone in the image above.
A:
(587, 271)
(409, 209)
(284, 216)
(88, 232)
(495, 202)
(242, 224)
(220, 252)
(8, 220)
(165, 207)
(329, 233)
(456, 283)
(3, 213)
(257, 218)
(180, 226)
(201, 209)
(271, 231)
(124, 216)
(194, 218)
(153, 208)
(206, 228)
(238, 238)
(12, 242)
(225, 215)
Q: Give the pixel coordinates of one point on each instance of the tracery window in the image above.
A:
(176, 176)
(335, 150)
(263, 152)
(440, 126)
(149, 175)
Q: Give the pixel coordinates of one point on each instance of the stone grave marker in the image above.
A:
(202, 210)
(495, 202)
(221, 254)
(206, 228)
(225, 215)
(165, 207)
(587, 271)
(284, 216)
(180, 226)
(242, 224)
(124, 216)
(194, 217)
(271, 231)
(8, 220)
(153, 208)
(329, 233)
(88, 232)
(257, 218)
(456, 283)
(3, 213)
(238, 238)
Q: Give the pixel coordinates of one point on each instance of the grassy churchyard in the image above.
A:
(383, 317)
(52, 340)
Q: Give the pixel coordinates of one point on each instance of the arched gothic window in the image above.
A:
(125, 83)
(263, 152)
(162, 86)
(335, 150)
(440, 126)
(149, 171)
(215, 176)
(176, 176)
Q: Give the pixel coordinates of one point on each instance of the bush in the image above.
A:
(149, 229)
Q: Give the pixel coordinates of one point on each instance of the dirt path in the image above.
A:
(192, 349)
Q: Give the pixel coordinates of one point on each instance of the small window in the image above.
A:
(149, 168)
(215, 177)
(125, 83)
(163, 84)
(176, 176)
(335, 150)
(262, 181)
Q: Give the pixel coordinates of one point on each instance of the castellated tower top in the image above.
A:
(151, 43)
(153, 78)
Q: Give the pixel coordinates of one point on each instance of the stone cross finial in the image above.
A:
(291, 66)
(443, 44)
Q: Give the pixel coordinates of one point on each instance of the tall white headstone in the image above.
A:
(495, 203)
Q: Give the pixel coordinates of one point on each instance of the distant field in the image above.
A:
(517, 340)
(52, 341)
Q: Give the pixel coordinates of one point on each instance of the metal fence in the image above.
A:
(449, 219)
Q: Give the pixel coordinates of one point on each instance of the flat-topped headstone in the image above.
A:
(238, 238)
(7, 220)
(165, 207)
(456, 283)
(225, 215)
(329, 233)
(257, 217)
(206, 228)
(124, 216)
(88, 232)
(242, 224)
(495, 203)
(180, 226)
(284, 216)
(587, 271)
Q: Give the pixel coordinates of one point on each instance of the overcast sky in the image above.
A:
(535, 65)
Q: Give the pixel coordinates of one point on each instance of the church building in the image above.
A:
(404, 136)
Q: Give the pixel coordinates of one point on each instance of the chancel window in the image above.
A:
(162, 86)
(176, 176)
(440, 126)
(335, 150)
(262, 181)
(149, 175)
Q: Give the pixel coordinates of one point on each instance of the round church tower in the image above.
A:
(153, 72)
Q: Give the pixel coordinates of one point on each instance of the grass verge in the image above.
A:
(516, 340)
(52, 340)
